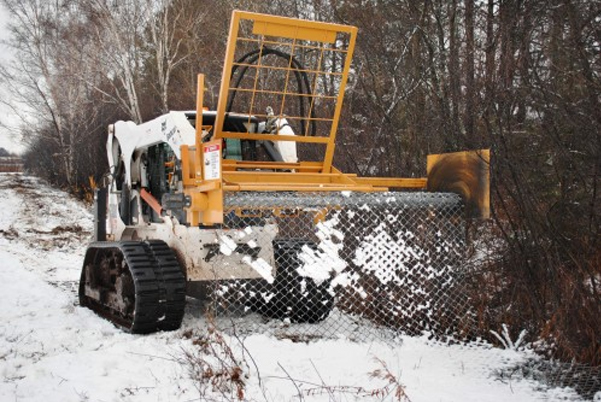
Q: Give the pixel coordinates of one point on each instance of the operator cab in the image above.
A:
(243, 150)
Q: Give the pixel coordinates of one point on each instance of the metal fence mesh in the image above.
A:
(365, 266)
(393, 259)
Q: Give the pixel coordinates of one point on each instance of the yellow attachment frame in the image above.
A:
(313, 67)
(269, 50)
(326, 52)
(202, 174)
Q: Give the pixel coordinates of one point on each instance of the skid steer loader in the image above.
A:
(246, 194)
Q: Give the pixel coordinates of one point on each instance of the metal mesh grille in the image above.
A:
(393, 259)
(297, 71)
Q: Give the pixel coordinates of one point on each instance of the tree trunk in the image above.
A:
(470, 90)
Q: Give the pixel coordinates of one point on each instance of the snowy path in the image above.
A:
(53, 350)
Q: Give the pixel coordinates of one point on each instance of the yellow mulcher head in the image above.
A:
(466, 174)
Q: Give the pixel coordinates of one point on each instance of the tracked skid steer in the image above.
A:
(242, 204)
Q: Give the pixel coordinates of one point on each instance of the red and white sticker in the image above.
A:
(212, 162)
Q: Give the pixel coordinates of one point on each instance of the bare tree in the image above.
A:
(118, 29)
(469, 68)
(164, 23)
(40, 75)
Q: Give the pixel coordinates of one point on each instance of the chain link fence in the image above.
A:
(364, 266)
(394, 260)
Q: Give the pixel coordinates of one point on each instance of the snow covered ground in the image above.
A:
(53, 350)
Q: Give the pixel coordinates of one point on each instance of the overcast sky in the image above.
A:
(3, 31)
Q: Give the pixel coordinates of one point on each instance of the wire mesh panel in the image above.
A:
(393, 259)
(285, 72)
(297, 68)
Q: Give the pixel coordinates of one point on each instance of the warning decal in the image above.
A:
(212, 162)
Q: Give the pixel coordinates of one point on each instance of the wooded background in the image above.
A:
(521, 77)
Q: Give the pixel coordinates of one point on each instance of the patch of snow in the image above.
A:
(227, 246)
(262, 267)
(318, 264)
(51, 349)
(387, 258)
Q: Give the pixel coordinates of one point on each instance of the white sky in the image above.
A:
(8, 138)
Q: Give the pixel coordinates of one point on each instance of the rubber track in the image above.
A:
(158, 281)
(172, 286)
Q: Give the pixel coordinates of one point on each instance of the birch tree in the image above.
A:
(118, 30)
(42, 78)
